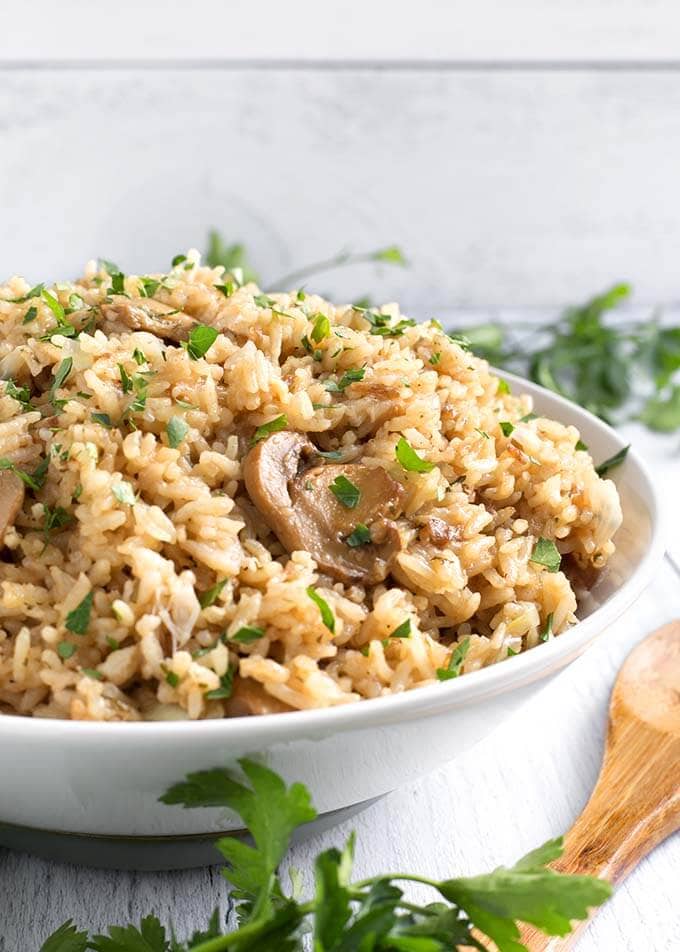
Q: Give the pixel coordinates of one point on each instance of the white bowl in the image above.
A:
(105, 778)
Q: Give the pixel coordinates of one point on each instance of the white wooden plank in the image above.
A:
(524, 188)
(524, 784)
(302, 30)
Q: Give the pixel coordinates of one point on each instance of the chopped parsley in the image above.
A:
(321, 328)
(227, 288)
(30, 314)
(263, 300)
(66, 649)
(138, 357)
(117, 282)
(247, 634)
(149, 286)
(453, 668)
(125, 381)
(300, 296)
(54, 518)
(103, 419)
(580, 445)
(350, 376)
(436, 358)
(55, 306)
(361, 535)
(172, 678)
(210, 596)
(226, 686)
(60, 376)
(403, 630)
(612, 462)
(178, 259)
(546, 553)
(528, 417)
(26, 478)
(506, 427)
(345, 491)
(21, 394)
(503, 386)
(78, 620)
(35, 292)
(124, 493)
(547, 633)
(177, 429)
(330, 454)
(327, 616)
(273, 426)
(200, 341)
(93, 673)
(409, 459)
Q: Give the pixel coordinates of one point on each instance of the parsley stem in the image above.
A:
(248, 931)
(363, 883)
(293, 278)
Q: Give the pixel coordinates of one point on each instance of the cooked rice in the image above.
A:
(150, 651)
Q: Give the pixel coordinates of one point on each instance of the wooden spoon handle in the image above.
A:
(634, 806)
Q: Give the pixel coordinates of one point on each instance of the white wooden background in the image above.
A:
(522, 154)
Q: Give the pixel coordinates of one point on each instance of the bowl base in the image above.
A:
(147, 853)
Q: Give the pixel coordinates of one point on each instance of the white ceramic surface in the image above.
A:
(106, 778)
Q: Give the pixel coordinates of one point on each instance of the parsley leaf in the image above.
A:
(327, 616)
(210, 596)
(662, 413)
(124, 493)
(321, 328)
(546, 553)
(409, 459)
(360, 535)
(403, 630)
(60, 376)
(345, 492)
(223, 692)
(66, 649)
(247, 634)
(78, 620)
(528, 892)
(125, 381)
(150, 937)
(606, 465)
(30, 314)
(21, 394)
(506, 427)
(547, 633)
(273, 426)
(54, 518)
(31, 481)
(103, 419)
(201, 339)
(66, 939)
(177, 429)
(455, 665)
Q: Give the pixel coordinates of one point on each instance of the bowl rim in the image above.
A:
(431, 699)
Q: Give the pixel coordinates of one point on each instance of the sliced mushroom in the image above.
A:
(249, 697)
(438, 532)
(296, 501)
(11, 499)
(146, 314)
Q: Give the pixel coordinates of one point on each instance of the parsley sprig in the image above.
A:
(343, 915)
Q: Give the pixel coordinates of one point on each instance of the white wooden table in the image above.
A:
(521, 786)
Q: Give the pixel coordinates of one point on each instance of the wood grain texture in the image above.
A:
(525, 188)
(439, 30)
(523, 785)
(636, 801)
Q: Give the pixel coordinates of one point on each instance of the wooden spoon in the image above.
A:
(636, 801)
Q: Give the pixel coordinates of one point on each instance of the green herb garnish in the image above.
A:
(403, 630)
(454, 667)
(177, 429)
(345, 492)
(546, 553)
(124, 493)
(350, 376)
(21, 394)
(327, 616)
(201, 339)
(125, 381)
(26, 478)
(61, 373)
(612, 462)
(547, 633)
(273, 426)
(321, 328)
(78, 620)
(247, 634)
(103, 419)
(342, 915)
(30, 314)
(409, 459)
(506, 427)
(210, 596)
(226, 686)
(54, 518)
(93, 673)
(172, 678)
(360, 535)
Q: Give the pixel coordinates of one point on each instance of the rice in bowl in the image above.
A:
(218, 502)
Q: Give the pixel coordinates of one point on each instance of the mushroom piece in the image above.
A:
(248, 697)
(296, 501)
(147, 314)
(11, 499)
